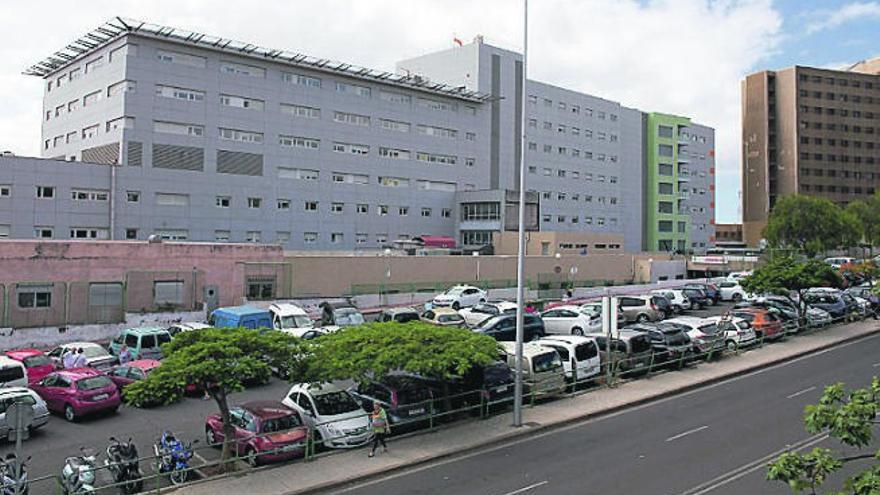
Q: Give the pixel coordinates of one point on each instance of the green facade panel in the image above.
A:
(665, 184)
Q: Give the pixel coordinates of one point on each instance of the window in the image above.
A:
(394, 97)
(533, 99)
(310, 237)
(88, 195)
(131, 234)
(665, 169)
(394, 125)
(480, 211)
(253, 236)
(436, 158)
(283, 204)
(90, 132)
(664, 226)
(426, 212)
(664, 150)
(88, 233)
(346, 178)
(310, 81)
(122, 51)
(242, 70)
(442, 132)
(5, 190)
(254, 203)
(337, 237)
(393, 182)
(363, 209)
(298, 173)
(403, 211)
(179, 93)
(43, 233)
(351, 118)
(664, 207)
(91, 98)
(171, 57)
(311, 206)
(241, 136)
(434, 185)
(37, 296)
(120, 123)
(432, 104)
(242, 102)
(46, 192)
(299, 142)
(360, 238)
(470, 136)
(664, 188)
(337, 208)
(353, 89)
(221, 235)
(121, 87)
(179, 128)
(354, 149)
(172, 199)
(223, 201)
(301, 111)
(172, 234)
(94, 65)
(470, 162)
(382, 210)
(664, 131)
(394, 154)
(282, 237)
(446, 213)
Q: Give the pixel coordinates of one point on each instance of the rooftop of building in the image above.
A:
(119, 27)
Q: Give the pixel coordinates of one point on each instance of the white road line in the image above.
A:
(676, 437)
(802, 392)
(875, 365)
(527, 488)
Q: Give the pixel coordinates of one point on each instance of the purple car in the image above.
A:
(78, 392)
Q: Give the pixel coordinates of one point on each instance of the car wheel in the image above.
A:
(456, 306)
(642, 318)
(676, 309)
(732, 346)
(211, 437)
(69, 413)
(737, 297)
(250, 455)
(577, 331)
(482, 300)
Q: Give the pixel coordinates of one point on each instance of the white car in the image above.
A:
(96, 356)
(290, 319)
(677, 299)
(595, 308)
(26, 396)
(704, 333)
(336, 417)
(460, 296)
(734, 276)
(481, 312)
(577, 353)
(839, 261)
(570, 320)
(730, 290)
(189, 326)
(738, 332)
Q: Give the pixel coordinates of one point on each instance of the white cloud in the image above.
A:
(676, 56)
(829, 19)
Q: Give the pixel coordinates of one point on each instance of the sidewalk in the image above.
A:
(461, 437)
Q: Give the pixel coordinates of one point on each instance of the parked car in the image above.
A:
(481, 312)
(730, 290)
(503, 328)
(631, 351)
(494, 382)
(36, 363)
(543, 372)
(734, 276)
(663, 305)
(407, 399)
(78, 392)
(738, 332)
(134, 371)
(711, 290)
(461, 296)
(569, 320)
(27, 397)
(335, 315)
(399, 315)
(444, 317)
(337, 419)
(290, 319)
(96, 356)
(639, 309)
(697, 297)
(595, 309)
(240, 317)
(669, 342)
(785, 313)
(705, 335)
(577, 353)
(838, 261)
(855, 306)
(828, 301)
(765, 324)
(12, 373)
(265, 431)
(190, 326)
(142, 343)
(676, 297)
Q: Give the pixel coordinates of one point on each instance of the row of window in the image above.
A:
(574, 152)
(48, 232)
(89, 132)
(588, 198)
(818, 95)
(572, 109)
(870, 160)
(574, 131)
(91, 65)
(843, 143)
(804, 124)
(92, 98)
(846, 174)
(281, 236)
(572, 174)
(841, 112)
(831, 81)
(837, 189)
(601, 221)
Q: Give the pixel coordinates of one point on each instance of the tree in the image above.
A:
(848, 417)
(867, 214)
(372, 351)
(810, 225)
(219, 361)
(784, 274)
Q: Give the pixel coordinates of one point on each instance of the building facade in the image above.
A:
(809, 131)
(150, 130)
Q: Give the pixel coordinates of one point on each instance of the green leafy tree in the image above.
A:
(372, 351)
(867, 214)
(809, 224)
(219, 361)
(785, 274)
(849, 417)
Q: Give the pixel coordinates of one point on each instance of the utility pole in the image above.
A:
(520, 257)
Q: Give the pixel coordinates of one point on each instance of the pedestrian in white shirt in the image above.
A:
(68, 357)
(80, 361)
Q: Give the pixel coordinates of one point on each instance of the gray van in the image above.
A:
(631, 351)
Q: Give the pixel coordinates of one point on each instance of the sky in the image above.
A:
(684, 57)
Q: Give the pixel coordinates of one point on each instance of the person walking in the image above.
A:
(80, 361)
(124, 355)
(379, 423)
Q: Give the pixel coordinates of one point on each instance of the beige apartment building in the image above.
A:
(810, 131)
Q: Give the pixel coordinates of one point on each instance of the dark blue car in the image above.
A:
(830, 302)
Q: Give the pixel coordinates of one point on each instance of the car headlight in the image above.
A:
(333, 430)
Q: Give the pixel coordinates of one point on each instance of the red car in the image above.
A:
(265, 431)
(38, 365)
(77, 392)
(764, 323)
(126, 374)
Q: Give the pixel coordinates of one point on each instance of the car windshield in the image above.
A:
(24, 399)
(296, 321)
(39, 360)
(449, 318)
(349, 317)
(335, 403)
(283, 423)
(497, 373)
(455, 291)
(406, 317)
(591, 309)
(93, 383)
(95, 352)
(547, 361)
(710, 329)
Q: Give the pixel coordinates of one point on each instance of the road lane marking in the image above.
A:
(689, 432)
(802, 392)
(875, 365)
(527, 488)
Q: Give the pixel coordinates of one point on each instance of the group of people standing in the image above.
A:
(74, 358)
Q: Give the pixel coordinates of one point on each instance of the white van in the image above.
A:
(291, 319)
(577, 353)
(12, 373)
(543, 373)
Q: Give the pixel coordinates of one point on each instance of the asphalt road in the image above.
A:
(713, 440)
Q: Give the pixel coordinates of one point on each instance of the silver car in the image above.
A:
(22, 395)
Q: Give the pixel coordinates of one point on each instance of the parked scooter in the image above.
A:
(9, 469)
(122, 462)
(78, 474)
(174, 457)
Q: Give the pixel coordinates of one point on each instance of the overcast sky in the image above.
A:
(683, 57)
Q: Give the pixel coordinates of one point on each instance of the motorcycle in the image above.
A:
(122, 463)
(10, 468)
(78, 473)
(174, 457)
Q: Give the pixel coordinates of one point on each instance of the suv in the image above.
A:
(711, 291)
(630, 350)
(481, 312)
(670, 342)
(340, 314)
(142, 343)
(503, 328)
(730, 290)
(639, 309)
(399, 315)
(580, 355)
(406, 398)
(697, 297)
(707, 338)
(676, 297)
(290, 319)
(766, 324)
(738, 332)
(460, 296)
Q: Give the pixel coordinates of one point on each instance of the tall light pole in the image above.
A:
(520, 257)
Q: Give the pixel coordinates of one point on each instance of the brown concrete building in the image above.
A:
(810, 131)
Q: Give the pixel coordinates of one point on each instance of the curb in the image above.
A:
(522, 432)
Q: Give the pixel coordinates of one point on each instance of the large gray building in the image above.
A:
(153, 130)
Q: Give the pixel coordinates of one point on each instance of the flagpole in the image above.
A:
(520, 257)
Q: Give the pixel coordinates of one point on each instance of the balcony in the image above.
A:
(684, 195)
